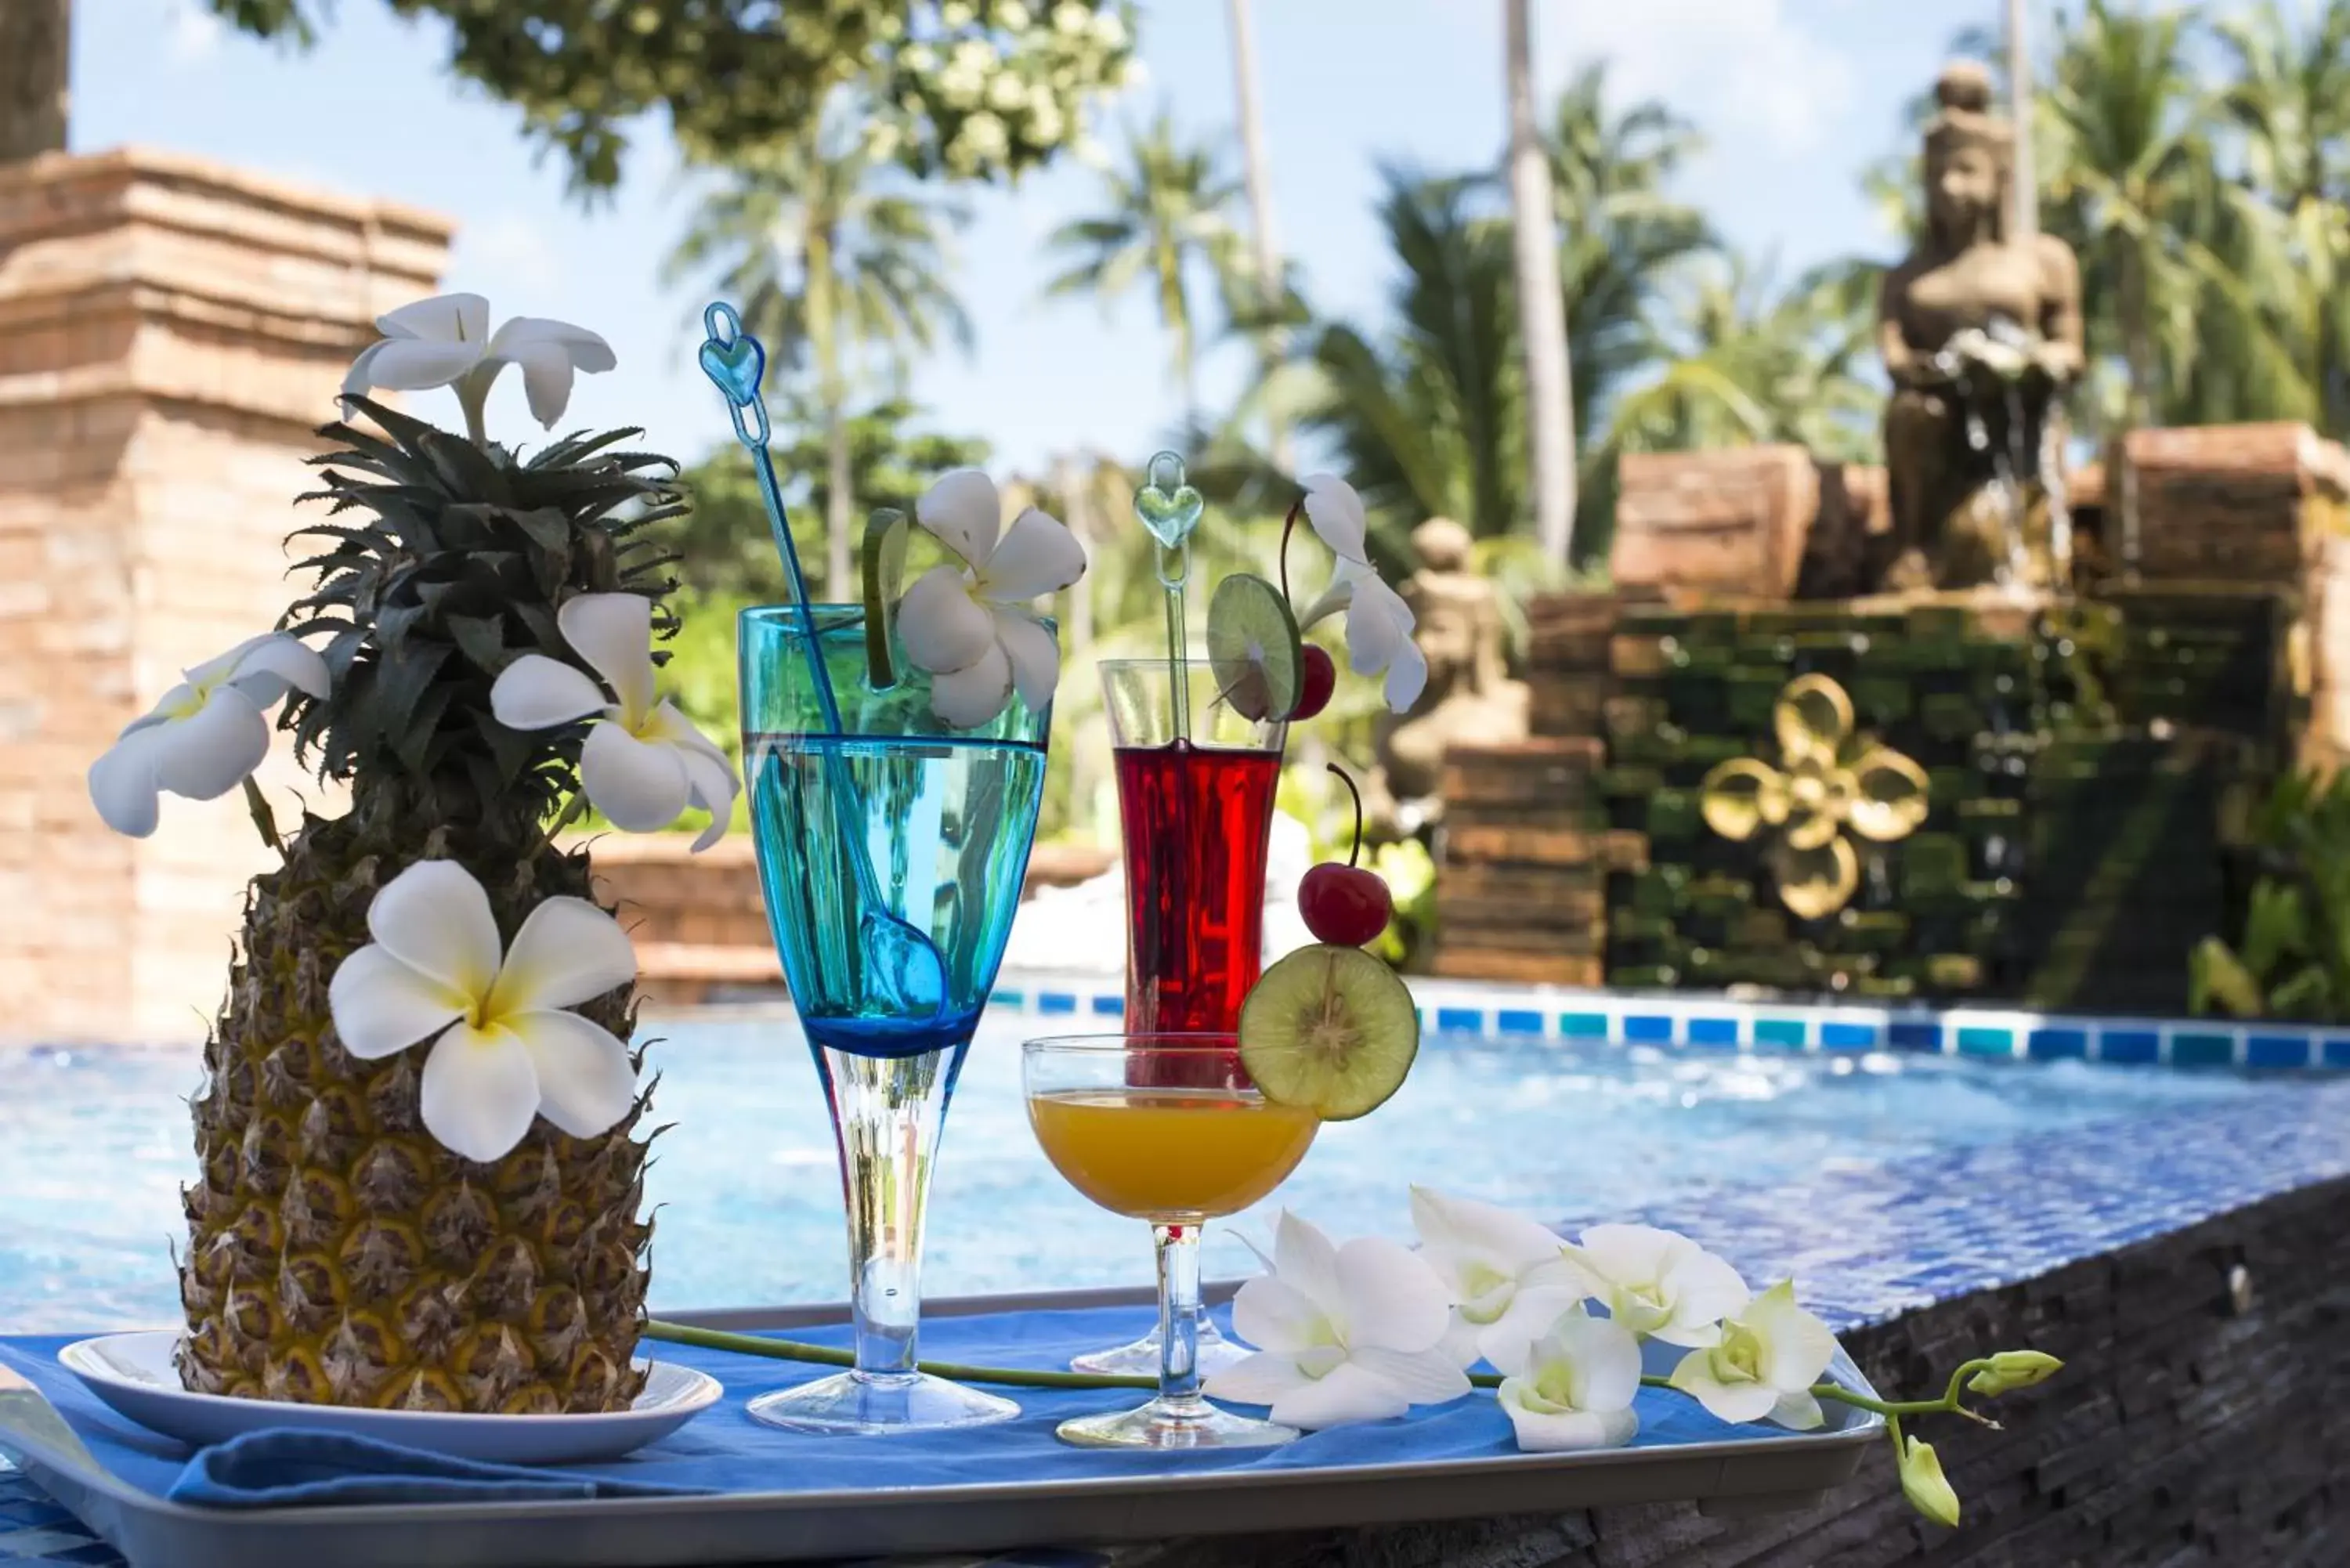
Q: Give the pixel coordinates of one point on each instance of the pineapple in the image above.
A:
(337, 1253)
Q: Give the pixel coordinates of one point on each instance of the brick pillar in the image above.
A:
(170, 332)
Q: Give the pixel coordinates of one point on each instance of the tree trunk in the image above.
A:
(1542, 304)
(2023, 183)
(2138, 348)
(1257, 168)
(33, 79)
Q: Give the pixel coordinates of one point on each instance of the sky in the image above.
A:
(1792, 96)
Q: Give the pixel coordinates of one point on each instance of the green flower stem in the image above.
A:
(826, 1356)
(1946, 1404)
(571, 814)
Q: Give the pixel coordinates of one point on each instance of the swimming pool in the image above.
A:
(93, 1144)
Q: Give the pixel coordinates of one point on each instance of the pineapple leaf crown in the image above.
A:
(444, 562)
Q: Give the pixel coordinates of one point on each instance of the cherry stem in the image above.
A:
(1289, 526)
(1354, 854)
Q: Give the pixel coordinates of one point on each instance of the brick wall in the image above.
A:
(170, 332)
(2192, 1429)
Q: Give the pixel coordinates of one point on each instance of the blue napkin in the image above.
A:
(288, 1467)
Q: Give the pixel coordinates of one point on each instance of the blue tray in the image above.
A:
(787, 1497)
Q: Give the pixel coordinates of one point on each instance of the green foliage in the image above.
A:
(2293, 959)
(725, 546)
(442, 563)
(1164, 212)
(978, 90)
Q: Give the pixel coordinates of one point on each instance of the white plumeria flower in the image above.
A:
(1378, 630)
(969, 626)
(446, 341)
(1509, 1276)
(1768, 1359)
(1352, 1333)
(1336, 513)
(1572, 1387)
(505, 1049)
(207, 735)
(1658, 1284)
(643, 762)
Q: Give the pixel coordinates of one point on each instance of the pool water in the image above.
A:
(94, 1144)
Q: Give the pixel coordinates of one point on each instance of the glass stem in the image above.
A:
(1179, 1318)
(886, 1114)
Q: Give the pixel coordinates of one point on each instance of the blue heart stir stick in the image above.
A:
(1169, 509)
(900, 961)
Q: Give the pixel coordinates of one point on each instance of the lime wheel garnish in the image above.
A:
(1330, 1029)
(1253, 649)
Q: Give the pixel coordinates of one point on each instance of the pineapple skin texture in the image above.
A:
(338, 1253)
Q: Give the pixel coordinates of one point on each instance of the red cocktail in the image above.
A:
(1196, 821)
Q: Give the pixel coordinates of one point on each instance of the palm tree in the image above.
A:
(2131, 180)
(1747, 361)
(2290, 103)
(1625, 242)
(1266, 280)
(1541, 318)
(1426, 415)
(1163, 213)
(839, 265)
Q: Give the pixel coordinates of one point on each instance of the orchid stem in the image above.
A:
(264, 819)
(1289, 526)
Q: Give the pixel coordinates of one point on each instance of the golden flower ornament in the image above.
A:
(1827, 783)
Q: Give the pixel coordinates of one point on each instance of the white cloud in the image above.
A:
(193, 33)
(1746, 67)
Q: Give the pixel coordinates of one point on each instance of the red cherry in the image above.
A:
(1317, 678)
(1344, 905)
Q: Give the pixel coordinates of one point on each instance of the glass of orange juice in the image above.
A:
(1147, 1125)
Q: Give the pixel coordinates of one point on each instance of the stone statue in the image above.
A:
(1981, 336)
(1469, 696)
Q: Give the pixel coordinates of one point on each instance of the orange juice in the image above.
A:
(1173, 1154)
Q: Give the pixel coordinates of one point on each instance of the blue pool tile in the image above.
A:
(1714, 1032)
(2127, 1045)
(1464, 1020)
(2337, 1053)
(1582, 1025)
(1517, 1020)
(1841, 1036)
(1055, 1002)
(2201, 1050)
(1779, 1032)
(2055, 1043)
(1979, 1039)
(2277, 1050)
(1914, 1035)
(1109, 1006)
(1010, 999)
(1648, 1028)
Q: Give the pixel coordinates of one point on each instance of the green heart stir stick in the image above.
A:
(1170, 508)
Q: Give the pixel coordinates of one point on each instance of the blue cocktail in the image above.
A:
(891, 853)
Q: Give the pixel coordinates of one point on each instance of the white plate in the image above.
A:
(133, 1373)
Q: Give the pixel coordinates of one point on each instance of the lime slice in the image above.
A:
(1253, 647)
(1330, 1029)
(884, 562)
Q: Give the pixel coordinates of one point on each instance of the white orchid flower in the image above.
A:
(1378, 630)
(1768, 1358)
(505, 1049)
(1572, 1386)
(643, 762)
(207, 735)
(1658, 1284)
(969, 626)
(1509, 1276)
(1352, 1333)
(1336, 513)
(446, 341)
